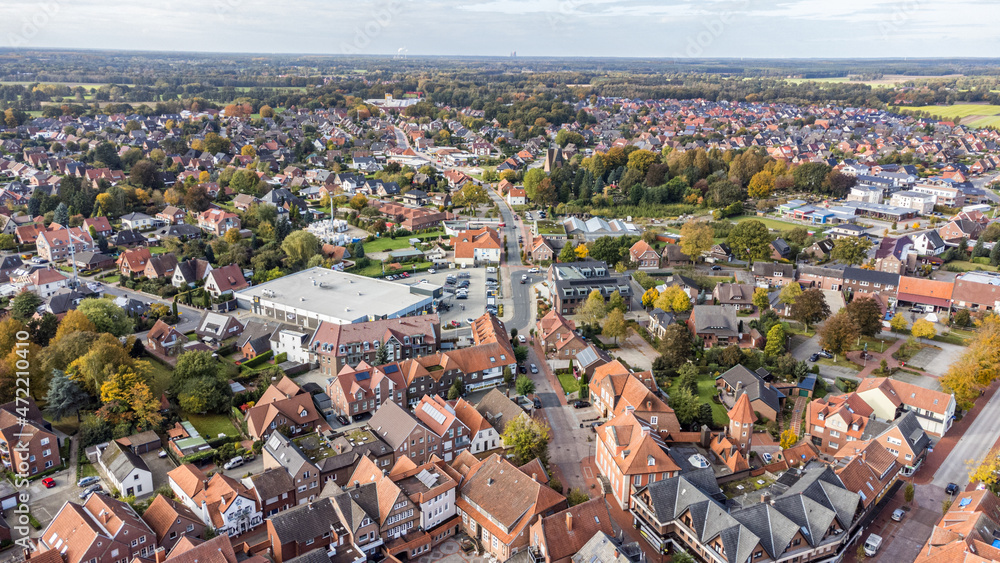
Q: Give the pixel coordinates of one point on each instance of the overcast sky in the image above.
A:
(622, 28)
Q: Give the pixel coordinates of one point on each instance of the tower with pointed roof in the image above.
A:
(741, 419)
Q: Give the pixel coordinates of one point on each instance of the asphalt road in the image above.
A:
(973, 445)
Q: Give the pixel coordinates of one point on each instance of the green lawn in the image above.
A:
(157, 250)
(957, 337)
(386, 244)
(774, 223)
(967, 266)
(874, 344)
(211, 425)
(160, 375)
(842, 362)
(86, 470)
(707, 390)
(374, 270)
(568, 383)
(958, 110)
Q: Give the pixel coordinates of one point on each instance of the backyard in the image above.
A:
(387, 244)
(568, 383)
(211, 425)
(160, 376)
(707, 390)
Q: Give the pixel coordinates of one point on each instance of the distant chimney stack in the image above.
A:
(161, 555)
(569, 522)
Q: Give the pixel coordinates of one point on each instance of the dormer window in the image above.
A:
(821, 416)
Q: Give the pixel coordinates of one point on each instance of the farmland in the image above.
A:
(976, 115)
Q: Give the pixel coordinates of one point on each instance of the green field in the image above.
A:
(386, 244)
(975, 115)
(707, 390)
(775, 223)
(160, 376)
(211, 425)
(569, 383)
(966, 266)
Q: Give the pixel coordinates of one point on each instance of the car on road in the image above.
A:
(404, 275)
(951, 489)
(464, 275)
(461, 295)
(581, 404)
(491, 270)
(522, 369)
(716, 268)
(88, 481)
(162, 454)
(897, 514)
(89, 490)
(533, 271)
(536, 403)
(524, 279)
(233, 463)
(49, 482)
(766, 457)
(871, 546)
(826, 354)
(534, 368)
(430, 271)
(814, 358)
(521, 338)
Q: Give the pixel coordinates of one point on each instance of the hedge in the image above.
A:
(281, 358)
(263, 358)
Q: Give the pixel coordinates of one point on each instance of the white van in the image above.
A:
(871, 546)
(233, 463)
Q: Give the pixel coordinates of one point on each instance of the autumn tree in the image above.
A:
(614, 325)
(616, 302)
(810, 307)
(898, 322)
(851, 250)
(567, 254)
(594, 309)
(775, 341)
(649, 297)
(761, 185)
(105, 356)
(696, 237)
(922, 328)
(761, 298)
(300, 246)
(790, 293)
(788, 439)
(750, 240)
(838, 333)
(527, 439)
(866, 314)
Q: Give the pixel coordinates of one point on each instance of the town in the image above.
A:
(370, 323)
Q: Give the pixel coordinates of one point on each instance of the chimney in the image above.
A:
(765, 498)
(534, 477)
(357, 485)
(569, 521)
(161, 555)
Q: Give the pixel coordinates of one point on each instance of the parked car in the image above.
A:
(522, 369)
(470, 320)
(581, 404)
(871, 546)
(49, 482)
(716, 268)
(431, 271)
(233, 463)
(534, 368)
(90, 490)
(88, 481)
(162, 454)
(461, 296)
(521, 339)
(951, 489)
(814, 358)
(766, 457)
(343, 420)
(533, 271)
(898, 514)
(536, 403)
(826, 354)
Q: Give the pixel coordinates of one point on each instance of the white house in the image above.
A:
(929, 244)
(483, 437)
(137, 221)
(222, 503)
(922, 202)
(935, 410)
(293, 343)
(126, 471)
(517, 196)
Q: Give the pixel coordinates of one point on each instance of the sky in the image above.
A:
(554, 28)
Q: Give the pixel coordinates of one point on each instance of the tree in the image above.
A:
(922, 328)
(575, 497)
(382, 356)
(106, 316)
(995, 255)
(908, 492)
(192, 365)
(963, 318)
(810, 307)
(761, 185)
(524, 386)
(520, 354)
(674, 299)
(616, 301)
(594, 309)
(649, 297)
(838, 333)
(790, 293)
(61, 215)
(300, 246)
(104, 357)
(527, 439)
(898, 322)
(761, 300)
(581, 251)
(696, 237)
(25, 305)
(866, 315)
(567, 254)
(676, 347)
(750, 240)
(143, 174)
(682, 557)
(266, 111)
(685, 405)
(65, 398)
(788, 439)
(851, 250)
(457, 389)
(775, 341)
(614, 325)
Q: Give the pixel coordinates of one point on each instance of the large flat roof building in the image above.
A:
(319, 294)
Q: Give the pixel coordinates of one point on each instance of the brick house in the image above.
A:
(165, 339)
(102, 530)
(274, 489)
(283, 404)
(226, 279)
(22, 425)
(715, 325)
(440, 418)
(644, 256)
(57, 245)
(309, 527)
(859, 280)
(171, 520)
(339, 345)
(218, 221)
(134, 261)
(541, 250)
(630, 454)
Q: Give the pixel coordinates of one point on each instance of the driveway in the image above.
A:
(902, 541)
(939, 362)
(636, 352)
(807, 347)
(159, 467)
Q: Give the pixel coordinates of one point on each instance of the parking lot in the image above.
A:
(474, 305)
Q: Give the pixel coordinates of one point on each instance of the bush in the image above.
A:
(281, 358)
(259, 360)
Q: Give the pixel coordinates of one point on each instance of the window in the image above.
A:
(190, 528)
(44, 441)
(653, 419)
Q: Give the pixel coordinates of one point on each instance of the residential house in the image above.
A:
(978, 291)
(190, 272)
(927, 292)
(309, 527)
(774, 274)
(432, 488)
(498, 503)
(719, 253)
(274, 488)
(171, 521)
(482, 436)
(477, 246)
(614, 389)
(216, 328)
(440, 418)
(397, 515)
(832, 422)
(283, 404)
(517, 196)
(218, 221)
(559, 537)
(133, 262)
(734, 295)
(558, 336)
(61, 244)
(935, 410)
(165, 339)
(137, 221)
(403, 432)
(644, 256)
(46, 282)
(828, 277)
(126, 471)
(100, 225)
(499, 410)
(171, 215)
(541, 250)
(860, 280)
(222, 503)
(673, 256)
(715, 325)
(27, 444)
(958, 229)
(780, 250)
(966, 532)
(631, 454)
(281, 452)
(922, 202)
(161, 266)
(659, 320)
(338, 345)
(929, 243)
(127, 238)
(226, 279)
(764, 397)
(102, 530)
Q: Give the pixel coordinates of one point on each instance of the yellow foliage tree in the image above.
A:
(74, 321)
(761, 185)
(581, 251)
(204, 176)
(649, 297)
(248, 150)
(696, 237)
(898, 323)
(923, 328)
(673, 299)
(788, 439)
(987, 470)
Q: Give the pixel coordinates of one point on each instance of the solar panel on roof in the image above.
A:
(390, 369)
(362, 375)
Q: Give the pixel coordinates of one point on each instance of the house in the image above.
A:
(226, 279)
(935, 410)
(22, 425)
(102, 530)
(715, 325)
(415, 197)
(498, 503)
(957, 229)
(339, 345)
(98, 226)
(283, 404)
(218, 221)
(362, 389)
(309, 527)
(477, 246)
(133, 262)
(137, 221)
(764, 398)
(774, 274)
(432, 488)
(274, 488)
(170, 521)
(60, 245)
(558, 336)
(440, 418)
(517, 196)
(181, 232)
(609, 549)
(828, 277)
(659, 320)
(719, 253)
(499, 410)
(571, 283)
(92, 261)
(922, 291)
(819, 250)
(615, 389)
(780, 250)
(222, 503)
(215, 328)
(397, 515)
(126, 471)
(736, 295)
(559, 537)
(165, 339)
(644, 256)
(846, 230)
(929, 243)
(45, 282)
(631, 454)
(977, 291)
(871, 473)
(922, 202)
(673, 256)
(403, 432)
(171, 215)
(256, 338)
(807, 518)
(541, 250)
(832, 422)
(482, 436)
(860, 280)
(190, 272)
(967, 530)
(282, 453)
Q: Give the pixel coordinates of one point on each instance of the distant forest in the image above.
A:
(111, 81)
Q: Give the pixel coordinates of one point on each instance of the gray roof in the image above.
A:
(305, 521)
(828, 270)
(393, 424)
(355, 503)
(498, 409)
(871, 276)
(604, 549)
(909, 426)
(715, 318)
(272, 483)
(120, 461)
(770, 268)
(739, 377)
(314, 556)
(286, 453)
